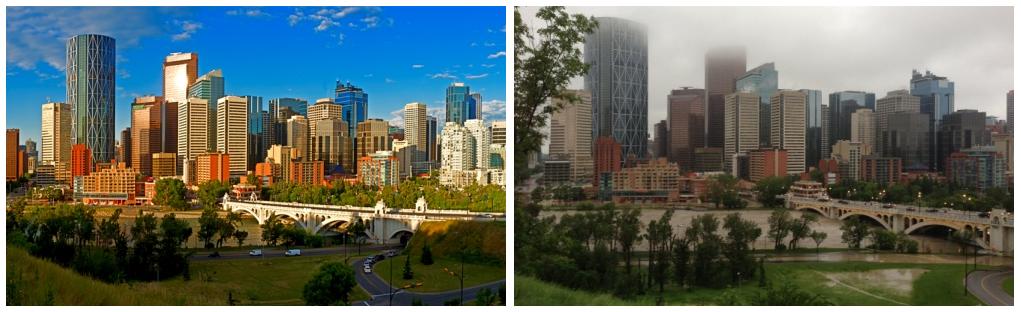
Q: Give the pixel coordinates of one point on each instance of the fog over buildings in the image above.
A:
(872, 49)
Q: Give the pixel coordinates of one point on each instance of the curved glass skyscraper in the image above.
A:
(91, 81)
(618, 79)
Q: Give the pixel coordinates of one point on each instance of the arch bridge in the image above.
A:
(993, 232)
(383, 224)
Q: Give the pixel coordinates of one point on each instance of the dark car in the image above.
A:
(983, 214)
(378, 258)
(931, 210)
(842, 201)
(911, 209)
(887, 205)
(215, 254)
(823, 199)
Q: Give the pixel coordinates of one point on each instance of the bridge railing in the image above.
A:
(942, 213)
(409, 211)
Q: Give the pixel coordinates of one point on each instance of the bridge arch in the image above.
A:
(259, 214)
(878, 220)
(820, 210)
(981, 236)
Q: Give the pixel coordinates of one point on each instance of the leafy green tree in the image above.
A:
(209, 226)
(272, 229)
(780, 223)
(170, 192)
(854, 232)
(240, 236)
(681, 258)
(332, 285)
(736, 249)
(628, 233)
(722, 190)
(211, 192)
(545, 60)
(818, 238)
(801, 228)
(883, 239)
(769, 188)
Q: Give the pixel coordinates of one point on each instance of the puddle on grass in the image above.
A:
(898, 282)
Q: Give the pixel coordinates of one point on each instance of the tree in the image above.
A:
(545, 60)
(170, 192)
(332, 285)
(211, 192)
(801, 228)
(357, 230)
(628, 233)
(427, 255)
(209, 226)
(769, 188)
(780, 223)
(681, 258)
(854, 232)
(818, 238)
(408, 274)
(272, 229)
(240, 236)
(722, 190)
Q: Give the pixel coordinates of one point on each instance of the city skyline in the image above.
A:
(888, 43)
(330, 37)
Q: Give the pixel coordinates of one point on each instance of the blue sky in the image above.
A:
(397, 54)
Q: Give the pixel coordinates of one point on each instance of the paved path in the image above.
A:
(379, 290)
(987, 286)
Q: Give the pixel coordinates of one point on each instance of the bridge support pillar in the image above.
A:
(898, 223)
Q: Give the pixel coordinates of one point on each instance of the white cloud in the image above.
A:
(494, 110)
(248, 13)
(497, 54)
(488, 65)
(38, 34)
(476, 76)
(370, 21)
(416, 66)
(489, 44)
(443, 75)
(188, 28)
(388, 80)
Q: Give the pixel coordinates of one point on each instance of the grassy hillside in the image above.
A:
(272, 281)
(531, 291)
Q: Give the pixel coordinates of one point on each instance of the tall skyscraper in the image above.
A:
(482, 139)
(787, 127)
(907, 136)
(761, 81)
(960, 130)
(13, 159)
(863, 127)
(56, 133)
(432, 145)
(256, 130)
(618, 79)
(179, 72)
(372, 137)
(298, 106)
(477, 109)
(209, 87)
(1010, 112)
(354, 103)
(192, 129)
(571, 136)
(814, 127)
(849, 156)
(894, 102)
(686, 115)
(147, 131)
(459, 106)
(323, 109)
(415, 128)
(91, 86)
(741, 126)
(232, 132)
(842, 105)
(936, 98)
(825, 137)
(124, 155)
(660, 140)
(458, 151)
(297, 135)
(722, 68)
(330, 145)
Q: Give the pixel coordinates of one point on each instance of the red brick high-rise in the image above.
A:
(607, 159)
(13, 137)
(81, 160)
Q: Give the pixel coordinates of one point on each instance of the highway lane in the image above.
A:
(986, 286)
(276, 252)
(379, 290)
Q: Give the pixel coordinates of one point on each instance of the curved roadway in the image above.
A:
(987, 286)
(379, 290)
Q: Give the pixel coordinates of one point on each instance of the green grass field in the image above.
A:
(434, 278)
(1008, 286)
(277, 281)
(856, 284)
(529, 291)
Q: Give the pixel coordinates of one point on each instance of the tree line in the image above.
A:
(71, 236)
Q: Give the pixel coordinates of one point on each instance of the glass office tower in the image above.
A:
(762, 81)
(460, 106)
(91, 84)
(618, 80)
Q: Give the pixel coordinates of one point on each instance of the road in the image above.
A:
(380, 291)
(987, 286)
(279, 252)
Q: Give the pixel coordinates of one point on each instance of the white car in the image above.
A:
(255, 252)
(293, 252)
(368, 269)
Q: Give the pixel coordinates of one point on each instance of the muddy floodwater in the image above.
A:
(682, 220)
(866, 256)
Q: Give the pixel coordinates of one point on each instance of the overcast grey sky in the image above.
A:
(871, 49)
